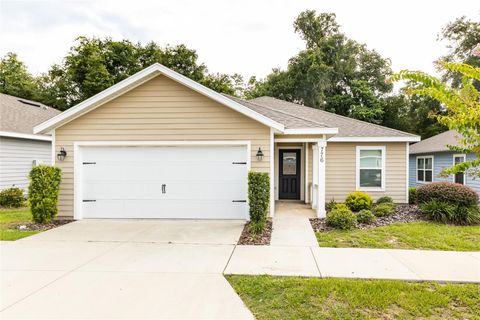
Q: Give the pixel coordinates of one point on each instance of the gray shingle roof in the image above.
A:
(293, 115)
(436, 143)
(21, 117)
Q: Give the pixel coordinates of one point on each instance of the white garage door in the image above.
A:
(204, 182)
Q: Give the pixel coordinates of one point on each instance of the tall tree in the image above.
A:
(462, 36)
(462, 105)
(94, 64)
(333, 72)
(15, 78)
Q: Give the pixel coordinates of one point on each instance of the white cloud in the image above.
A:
(249, 37)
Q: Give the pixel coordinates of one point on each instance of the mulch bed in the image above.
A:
(33, 226)
(403, 213)
(256, 240)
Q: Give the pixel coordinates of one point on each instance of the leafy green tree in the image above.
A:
(462, 107)
(333, 72)
(94, 64)
(462, 35)
(15, 79)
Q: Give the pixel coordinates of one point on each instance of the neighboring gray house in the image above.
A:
(430, 156)
(20, 149)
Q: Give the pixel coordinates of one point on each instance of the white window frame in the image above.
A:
(464, 156)
(416, 168)
(383, 168)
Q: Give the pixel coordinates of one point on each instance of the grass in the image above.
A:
(10, 217)
(271, 297)
(413, 235)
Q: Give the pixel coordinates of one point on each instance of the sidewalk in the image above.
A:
(415, 265)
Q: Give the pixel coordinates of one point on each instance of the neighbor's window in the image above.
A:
(371, 167)
(425, 169)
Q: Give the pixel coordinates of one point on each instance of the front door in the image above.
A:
(289, 178)
(459, 176)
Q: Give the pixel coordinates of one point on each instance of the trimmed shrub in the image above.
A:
(384, 199)
(11, 198)
(342, 218)
(258, 200)
(330, 205)
(452, 193)
(43, 192)
(341, 206)
(384, 209)
(445, 212)
(358, 200)
(366, 216)
(412, 195)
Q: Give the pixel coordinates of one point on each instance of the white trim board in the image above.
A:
(25, 136)
(311, 131)
(374, 139)
(77, 163)
(139, 78)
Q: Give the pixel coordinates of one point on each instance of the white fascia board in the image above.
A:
(139, 78)
(25, 136)
(374, 139)
(311, 131)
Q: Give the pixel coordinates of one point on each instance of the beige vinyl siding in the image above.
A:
(341, 174)
(158, 110)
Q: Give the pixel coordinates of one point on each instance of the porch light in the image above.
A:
(259, 154)
(61, 154)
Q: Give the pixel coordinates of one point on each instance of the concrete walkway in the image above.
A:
(291, 225)
(416, 265)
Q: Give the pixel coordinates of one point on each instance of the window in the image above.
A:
(371, 168)
(425, 169)
(459, 177)
(289, 164)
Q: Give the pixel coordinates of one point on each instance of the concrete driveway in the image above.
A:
(122, 269)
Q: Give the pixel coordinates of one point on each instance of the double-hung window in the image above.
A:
(425, 169)
(371, 168)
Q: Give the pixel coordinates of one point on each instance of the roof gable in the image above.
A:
(139, 78)
(438, 143)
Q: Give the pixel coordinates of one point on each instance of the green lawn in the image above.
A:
(312, 298)
(9, 217)
(413, 235)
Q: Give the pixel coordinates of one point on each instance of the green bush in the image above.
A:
(330, 205)
(341, 218)
(341, 206)
(446, 212)
(384, 209)
(11, 198)
(258, 200)
(365, 216)
(384, 199)
(43, 192)
(452, 193)
(358, 200)
(412, 195)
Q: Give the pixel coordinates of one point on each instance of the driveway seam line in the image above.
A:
(229, 258)
(60, 277)
(316, 263)
(420, 277)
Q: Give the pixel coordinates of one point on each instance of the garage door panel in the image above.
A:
(204, 182)
(220, 189)
(154, 209)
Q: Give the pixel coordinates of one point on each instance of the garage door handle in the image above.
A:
(89, 200)
(239, 200)
(164, 188)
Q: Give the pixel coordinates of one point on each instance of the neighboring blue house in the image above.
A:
(430, 156)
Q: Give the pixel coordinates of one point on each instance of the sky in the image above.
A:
(249, 37)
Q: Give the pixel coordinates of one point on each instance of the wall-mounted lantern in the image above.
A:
(259, 154)
(61, 154)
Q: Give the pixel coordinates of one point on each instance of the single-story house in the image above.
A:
(429, 157)
(160, 145)
(20, 148)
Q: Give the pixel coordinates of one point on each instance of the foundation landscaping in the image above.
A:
(441, 216)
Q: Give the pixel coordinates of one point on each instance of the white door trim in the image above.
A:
(77, 167)
(277, 169)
